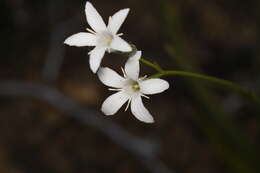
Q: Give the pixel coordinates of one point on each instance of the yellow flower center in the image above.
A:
(136, 87)
(105, 38)
(109, 41)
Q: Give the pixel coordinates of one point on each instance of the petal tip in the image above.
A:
(128, 48)
(137, 55)
(105, 112)
(94, 70)
(167, 85)
(88, 3)
(67, 41)
(149, 121)
(126, 10)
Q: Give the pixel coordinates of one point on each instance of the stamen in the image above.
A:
(145, 96)
(142, 78)
(115, 89)
(120, 34)
(91, 31)
(124, 73)
(128, 103)
(109, 19)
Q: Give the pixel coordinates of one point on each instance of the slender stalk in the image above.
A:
(224, 83)
(152, 65)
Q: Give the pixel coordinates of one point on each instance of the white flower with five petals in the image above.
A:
(104, 38)
(130, 88)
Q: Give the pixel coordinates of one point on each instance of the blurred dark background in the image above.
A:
(198, 127)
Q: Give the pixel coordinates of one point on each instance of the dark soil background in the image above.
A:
(199, 127)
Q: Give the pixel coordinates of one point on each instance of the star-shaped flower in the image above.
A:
(104, 38)
(130, 88)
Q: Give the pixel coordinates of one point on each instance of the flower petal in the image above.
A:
(120, 45)
(110, 78)
(117, 20)
(139, 111)
(114, 102)
(132, 66)
(95, 58)
(153, 86)
(94, 19)
(81, 39)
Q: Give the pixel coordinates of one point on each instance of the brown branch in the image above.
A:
(144, 151)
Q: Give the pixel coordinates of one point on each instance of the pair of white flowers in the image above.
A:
(130, 88)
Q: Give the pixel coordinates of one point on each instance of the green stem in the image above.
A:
(221, 82)
(152, 65)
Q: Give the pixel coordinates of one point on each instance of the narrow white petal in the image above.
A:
(94, 19)
(110, 78)
(117, 20)
(120, 45)
(95, 58)
(132, 66)
(114, 102)
(153, 86)
(139, 111)
(81, 39)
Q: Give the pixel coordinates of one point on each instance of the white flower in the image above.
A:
(104, 38)
(130, 88)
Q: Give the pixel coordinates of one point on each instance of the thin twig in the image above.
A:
(144, 151)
